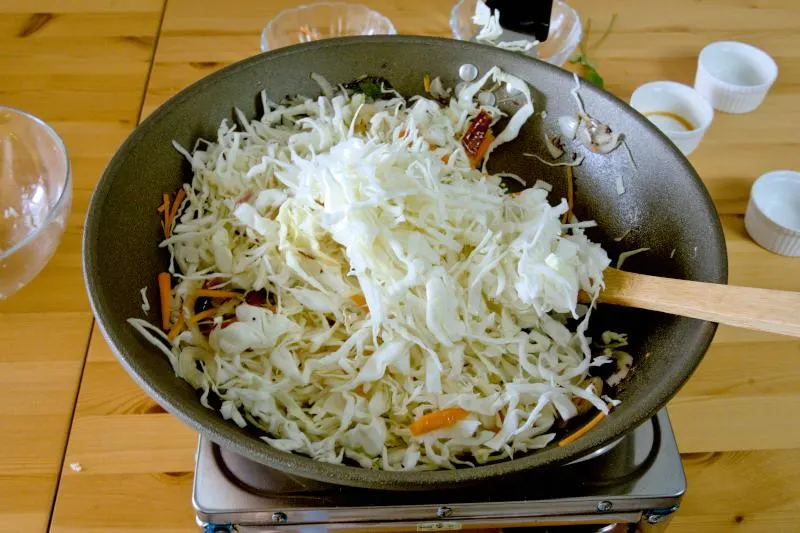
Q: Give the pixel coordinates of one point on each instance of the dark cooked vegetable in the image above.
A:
(478, 138)
(371, 86)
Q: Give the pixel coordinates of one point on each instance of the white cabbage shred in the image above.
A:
(625, 255)
(470, 291)
(145, 301)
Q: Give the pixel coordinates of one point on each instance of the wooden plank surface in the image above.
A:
(737, 419)
(130, 451)
(136, 461)
(38, 381)
(81, 66)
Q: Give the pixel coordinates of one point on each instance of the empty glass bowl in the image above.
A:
(565, 30)
(35, 197)
(322, 21)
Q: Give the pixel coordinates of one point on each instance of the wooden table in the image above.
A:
(92, 67)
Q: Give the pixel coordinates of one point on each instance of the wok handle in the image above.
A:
(744, 307)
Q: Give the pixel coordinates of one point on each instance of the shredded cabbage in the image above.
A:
(145, 301)
(625, 255)
(471, 293)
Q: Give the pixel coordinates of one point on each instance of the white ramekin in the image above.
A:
(658, 99)
(734, 77)
(773, 213)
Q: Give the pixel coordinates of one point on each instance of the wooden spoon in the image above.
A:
(743, 307)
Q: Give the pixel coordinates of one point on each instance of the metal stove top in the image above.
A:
(635, 485)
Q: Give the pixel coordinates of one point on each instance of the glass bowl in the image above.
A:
(35, 197)
(323, 20)
(566, 30)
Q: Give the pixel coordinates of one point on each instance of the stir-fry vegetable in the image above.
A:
(214, 293)
(478, 138)
(169, 210)
(591, 424)
(352, 281)
(370, 86)
(437, 420)
(176, 203)
(176, 328)
(208, 313)
(165, 294)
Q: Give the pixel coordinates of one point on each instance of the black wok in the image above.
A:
(664, 207)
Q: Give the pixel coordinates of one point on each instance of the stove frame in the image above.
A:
(634, 485)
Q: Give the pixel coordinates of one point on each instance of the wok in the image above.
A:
(664, 207)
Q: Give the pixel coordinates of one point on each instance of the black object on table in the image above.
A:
(531, 17)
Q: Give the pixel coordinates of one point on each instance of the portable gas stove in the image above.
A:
(634, 485)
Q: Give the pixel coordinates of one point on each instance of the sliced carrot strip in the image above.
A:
(164, 207)
(583, 431)
(181, 194)
(177, 327)
(215, 293)
(359, 300)
(208, 313)
(165, 293)
(437, 420)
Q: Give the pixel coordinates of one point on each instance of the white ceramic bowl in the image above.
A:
(773, 213)
(677, 110)
(735, 77)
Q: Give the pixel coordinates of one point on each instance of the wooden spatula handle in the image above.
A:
(744, 307)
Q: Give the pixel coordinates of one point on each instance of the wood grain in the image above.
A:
(742, 491)
(82, 66)
(75, 65)
(744, 307)
(130, 459)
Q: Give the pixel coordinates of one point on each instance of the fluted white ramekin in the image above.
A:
(734, 77)
(773, 213)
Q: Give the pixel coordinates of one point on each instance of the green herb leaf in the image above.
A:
(370, 86)
(589, 70)
(582, 60)
(592, 76)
